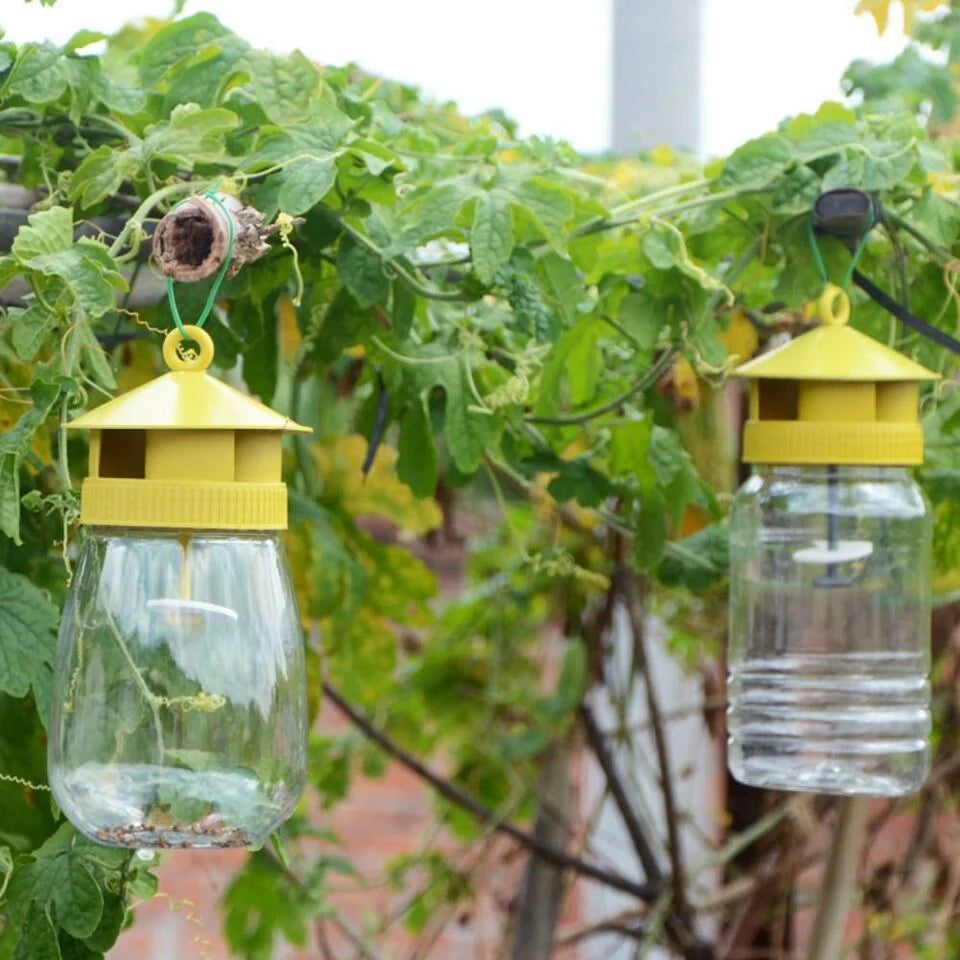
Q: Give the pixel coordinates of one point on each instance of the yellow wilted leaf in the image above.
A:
(10, 413)
(684, 385)
(880, 11)
(381, 494)
(140, 362)
(547, 507)
(290, 336)
(740, 339)
(663, 156)
(942, 182)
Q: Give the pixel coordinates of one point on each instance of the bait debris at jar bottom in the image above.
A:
(183, 718)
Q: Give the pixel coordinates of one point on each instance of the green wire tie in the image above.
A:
(818, 256)
(211, 195)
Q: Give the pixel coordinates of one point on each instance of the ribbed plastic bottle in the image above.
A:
(829, 631)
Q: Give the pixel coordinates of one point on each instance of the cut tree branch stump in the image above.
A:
(192, 240)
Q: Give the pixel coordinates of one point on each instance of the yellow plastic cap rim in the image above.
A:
(183, 505)
(853, 444)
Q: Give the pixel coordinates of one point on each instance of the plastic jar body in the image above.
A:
(179, 691)
(829, 650)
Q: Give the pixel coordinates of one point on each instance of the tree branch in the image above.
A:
(542, 890)
(624, 582)
(644, 382)
(638, 837)
(839, 884)
(450, 791)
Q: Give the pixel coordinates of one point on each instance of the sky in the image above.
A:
(546, 62)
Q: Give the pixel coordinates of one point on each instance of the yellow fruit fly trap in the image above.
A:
(180, 697)
(830, 550)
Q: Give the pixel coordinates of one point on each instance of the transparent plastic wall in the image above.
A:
(180, 697)
(829, 649)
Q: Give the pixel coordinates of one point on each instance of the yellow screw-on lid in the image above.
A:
(833, 396)
(185, 451)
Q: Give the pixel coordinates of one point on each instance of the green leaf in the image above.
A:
(261, 903)
(665, 247)
(547, 205)
(208, 75)
(361, 272)
(642, 317)
(429, 214)
(651, 530)
(572, 369)
(701, 560)
(31, 328)
(175, 43)
(578, 480)
(344, 324)
(83, 38)
(306, 183)
(111, 923)
(93, 357)
(376, 157)
(38, 938)
(468, 432)
(99, 175)
(404, 308)
(27, 623)
(38, 75)
(89, 272)
(676, 475)
(417, 455)
(491, 236)
(562, 286)
(322, 135)
(47, 232)
(9, 268)
(284, 87)
(117, 96)
(797, 192)
(630, 452)
(886, 165)
(14, 445)
(61, 880)
(912, 81)
(758, 162)
(191, 134)
(937, 218)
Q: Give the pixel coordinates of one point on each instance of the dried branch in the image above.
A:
(450, 791)
(541, 894)
(193, 239)
(624, 583)
(628, 814)
(840, 882)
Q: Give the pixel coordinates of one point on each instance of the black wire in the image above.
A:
(379, 423)
(904, 315)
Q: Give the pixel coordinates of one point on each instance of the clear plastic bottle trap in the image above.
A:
(829, 649)
(179, 691)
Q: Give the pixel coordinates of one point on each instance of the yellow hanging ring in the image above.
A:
(834, 306)
(178, 358)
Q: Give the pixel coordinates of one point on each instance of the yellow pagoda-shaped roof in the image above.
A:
(834, 396)
(837, 352)
(187, 398)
